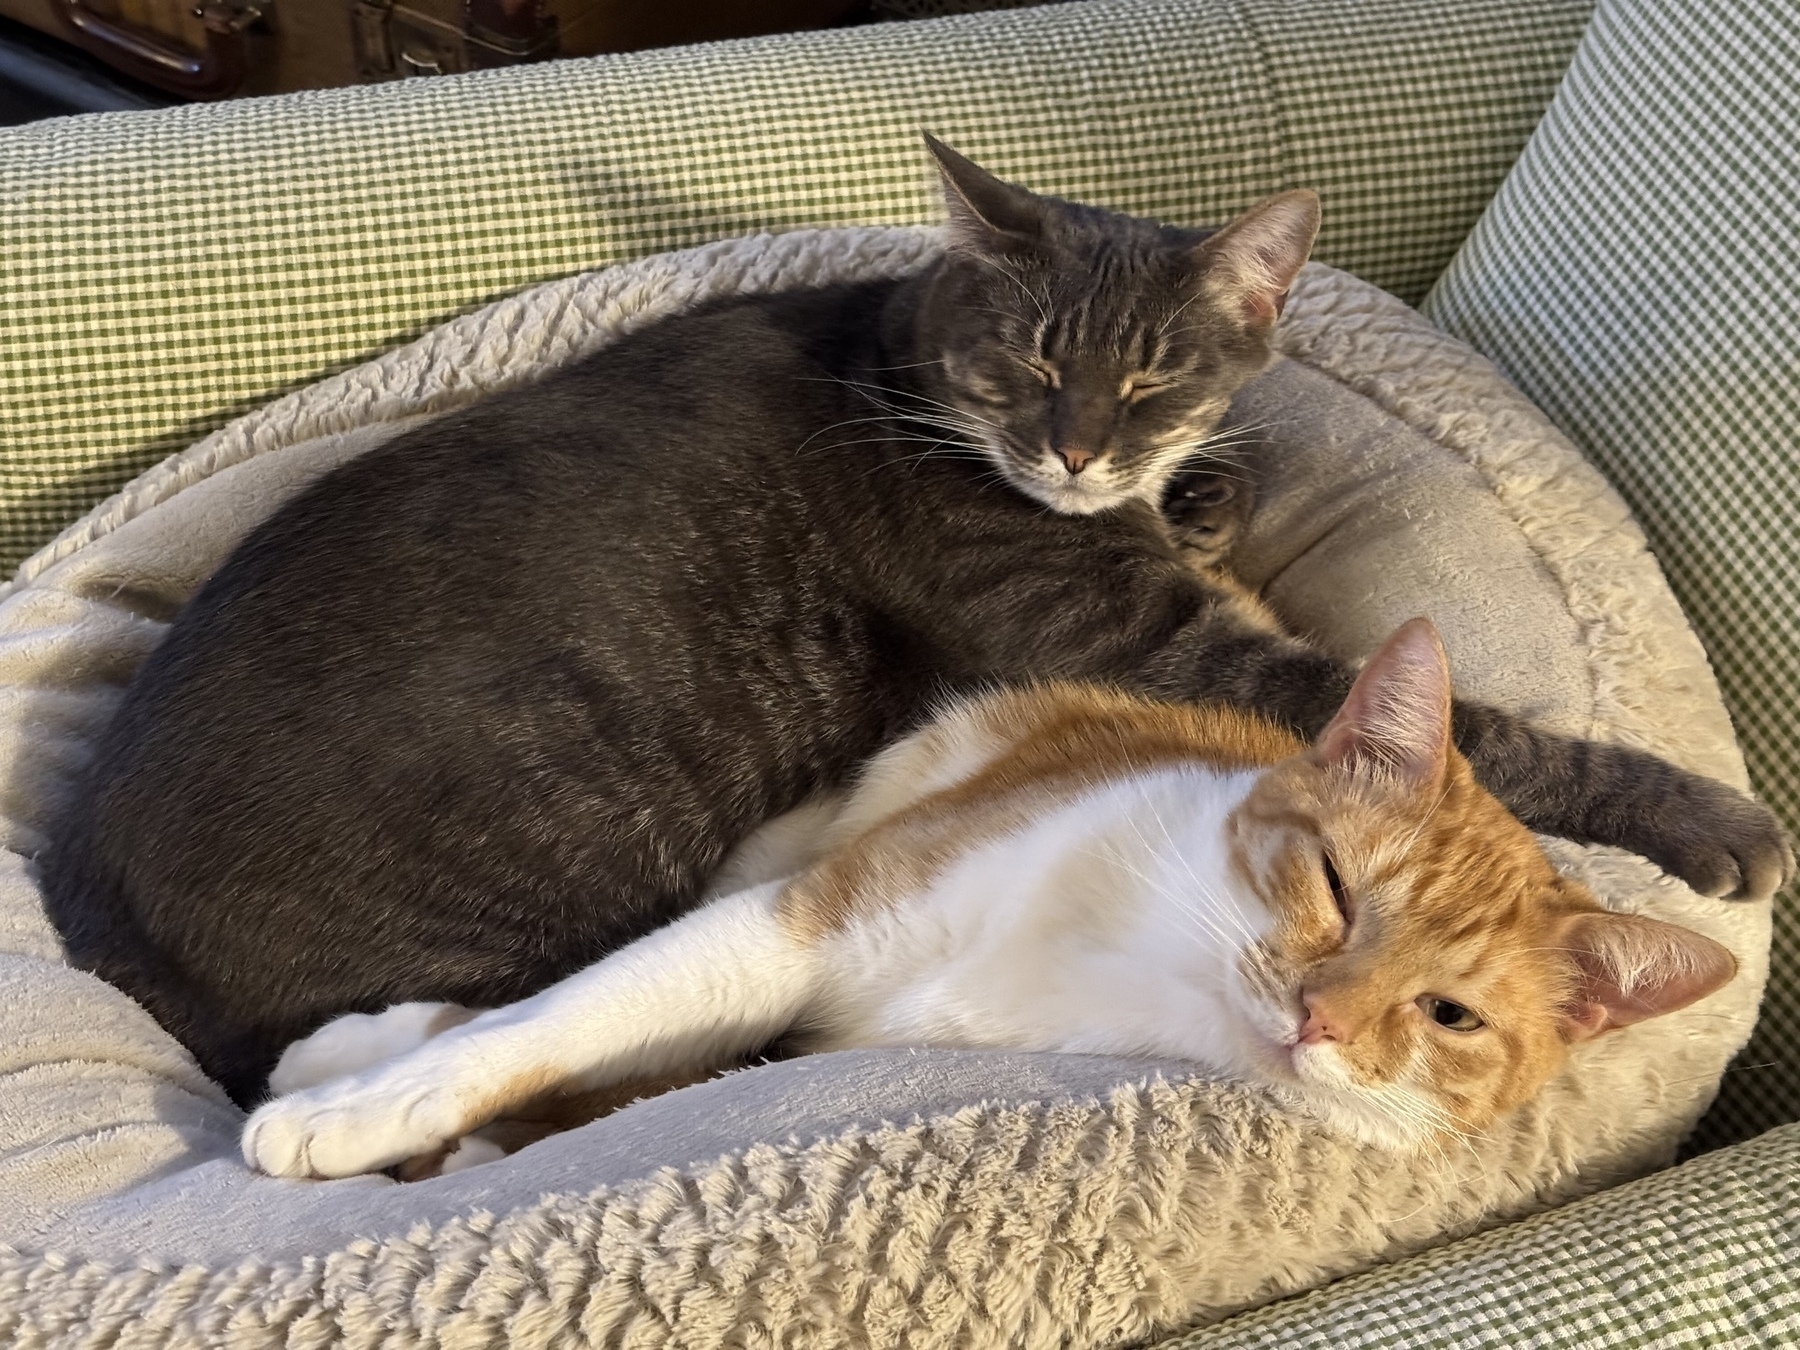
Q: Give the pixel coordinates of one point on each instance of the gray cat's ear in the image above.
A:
(1395, 721)
(987, 216)
(1629, 968)
(1251, 263)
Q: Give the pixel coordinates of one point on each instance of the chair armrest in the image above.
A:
(1700, 1255)
(1638, 277)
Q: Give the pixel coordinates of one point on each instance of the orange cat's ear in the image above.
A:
(1395, 723)
(1630, 968)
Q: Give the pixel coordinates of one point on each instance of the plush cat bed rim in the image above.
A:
(1138, 1115)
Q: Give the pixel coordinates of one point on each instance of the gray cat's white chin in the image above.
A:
(1095, 491)
(1075, 501)
(1072, 496)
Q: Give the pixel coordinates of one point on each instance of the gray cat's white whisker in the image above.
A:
(832, 426)
(884, 397)
(882, 421)
(1018, 281)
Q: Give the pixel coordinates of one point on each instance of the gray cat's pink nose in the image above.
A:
(1075, 460)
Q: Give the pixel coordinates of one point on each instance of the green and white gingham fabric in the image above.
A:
(163, 272)
(1638, 276)
(1700, 1256)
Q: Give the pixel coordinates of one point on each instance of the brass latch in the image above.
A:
(440, 37)
(213, 70)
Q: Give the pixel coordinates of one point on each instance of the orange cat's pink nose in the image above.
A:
(1075, 460)
(1319, 1025)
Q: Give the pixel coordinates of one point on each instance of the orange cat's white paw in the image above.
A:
(470, 1151)
(347, 1127)
(356, 1041)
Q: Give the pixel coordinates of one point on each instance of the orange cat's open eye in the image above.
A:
(1339, 895)
(1450, 1016)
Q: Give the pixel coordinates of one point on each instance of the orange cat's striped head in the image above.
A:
(1427, 968)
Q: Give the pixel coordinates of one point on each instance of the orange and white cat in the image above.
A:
(1354, 924)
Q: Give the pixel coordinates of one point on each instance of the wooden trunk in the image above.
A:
(206, 49)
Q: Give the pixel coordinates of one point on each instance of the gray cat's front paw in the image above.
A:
(1207, 510)
(1720, 842)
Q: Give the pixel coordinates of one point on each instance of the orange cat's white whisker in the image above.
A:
(1201, 923)
(1215, 920)
(1215, 902)
(1222, 905)
(1424, 821)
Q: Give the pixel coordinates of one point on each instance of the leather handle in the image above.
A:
(155, 59)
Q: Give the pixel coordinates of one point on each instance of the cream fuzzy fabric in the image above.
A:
(871, 1198)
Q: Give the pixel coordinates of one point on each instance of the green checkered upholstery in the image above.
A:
(1701, 1256)
(160, 273)
(163, 272)
(1639, 277)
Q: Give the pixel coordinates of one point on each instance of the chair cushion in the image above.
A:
(1701, 1255)
(879, 1197)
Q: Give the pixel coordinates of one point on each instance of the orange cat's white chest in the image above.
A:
(1111, 924)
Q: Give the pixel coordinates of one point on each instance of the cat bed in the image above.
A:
(875, 1197)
